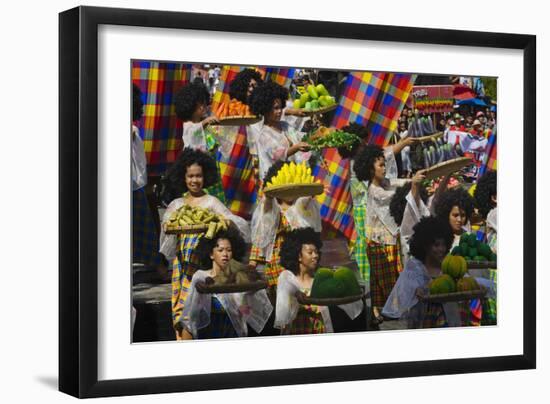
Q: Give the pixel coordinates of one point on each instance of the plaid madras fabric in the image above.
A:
(360, 247)
(273, 268)
(220, 324)
(183, 267)
(434, 316)
(145, 239)
(160, 128)
(374, 100)
(237, 177)
(308, 321)
(227, 75)
(336, 205)
(489, 314)
(490, 161)
(280, 76)
(385, 265)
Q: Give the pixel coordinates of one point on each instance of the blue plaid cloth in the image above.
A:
(145, 239)
(220, 324)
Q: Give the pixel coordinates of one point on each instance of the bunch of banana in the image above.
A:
(292, 173)
(196, 216)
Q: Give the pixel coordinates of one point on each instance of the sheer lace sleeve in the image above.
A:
(194, 136)
(286, 308)
(197, 307)
(265, 222)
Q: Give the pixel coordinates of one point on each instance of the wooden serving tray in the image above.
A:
(333, 301)
(451, 297)
(238, 120)
(447, 167)
(293, 191)
(189, 229)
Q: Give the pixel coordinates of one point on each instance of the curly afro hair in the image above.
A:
(239, 86)
(188, 98)
(454, 197)
(486, 188)
(174, 179)
(356, 129)
(399, 202)
(292, 246)
(263, 97)
(137, 103)
(426, 232)
(273, 170)
(364, 161)
(205, 246)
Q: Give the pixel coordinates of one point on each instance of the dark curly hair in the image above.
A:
(454, 197)
(273, 170)
(356, 129)
(239, 86)
(137, 103)
(364, 162)
(188, 98)
(426, 232)
(485, 189)
(174, 179)
(205, 246)
(263, 97)
(292, 246)
(399, 202)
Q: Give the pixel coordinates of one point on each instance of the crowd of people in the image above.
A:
(403, 231)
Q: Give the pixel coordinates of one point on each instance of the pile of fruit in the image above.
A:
(340, 282)
(187, 216)
(315, 97)
(324, 137)
(235, 273)
(429, 153)
(292, 173)
(454, 268)
(233, 109)
(473, 250)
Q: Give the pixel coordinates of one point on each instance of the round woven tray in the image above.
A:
(231, 287)
(189, 229)
(452, 297)
(293, 191)
(429, 137)
(238, 120)
(481, 264)
(333, 301)
(447, 167)
(310, 112)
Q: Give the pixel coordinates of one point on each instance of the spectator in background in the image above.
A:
(477, 128)
(405, 152)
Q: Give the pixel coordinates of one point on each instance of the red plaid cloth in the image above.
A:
(159, 128)
(308, 321)
(385, 266)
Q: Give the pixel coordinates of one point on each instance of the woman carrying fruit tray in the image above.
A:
(276, 139)
(376, 172)
(429, 244)
(300, 256)
(190, 175)
(223, 315)
(272, 218)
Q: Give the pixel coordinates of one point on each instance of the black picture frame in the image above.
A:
(78, 195)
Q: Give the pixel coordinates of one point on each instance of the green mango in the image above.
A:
(314, 104)
(303, 99)
(321, 90)
(323, 102)
(297, 104)
(312, 92)
(308, 105)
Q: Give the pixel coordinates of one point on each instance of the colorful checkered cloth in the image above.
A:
(145, 238)
(490, 160)
(385, 266)
(308, 321)
(220, 324)
(489, 314)
(183, 267)
(159, 127)
(360, 243)
(273, 268)
(434, 316)
(280, 76)
(336, 204)
(374, 100)
(237, 177)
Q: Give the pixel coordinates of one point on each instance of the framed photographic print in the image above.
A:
(251, 202)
